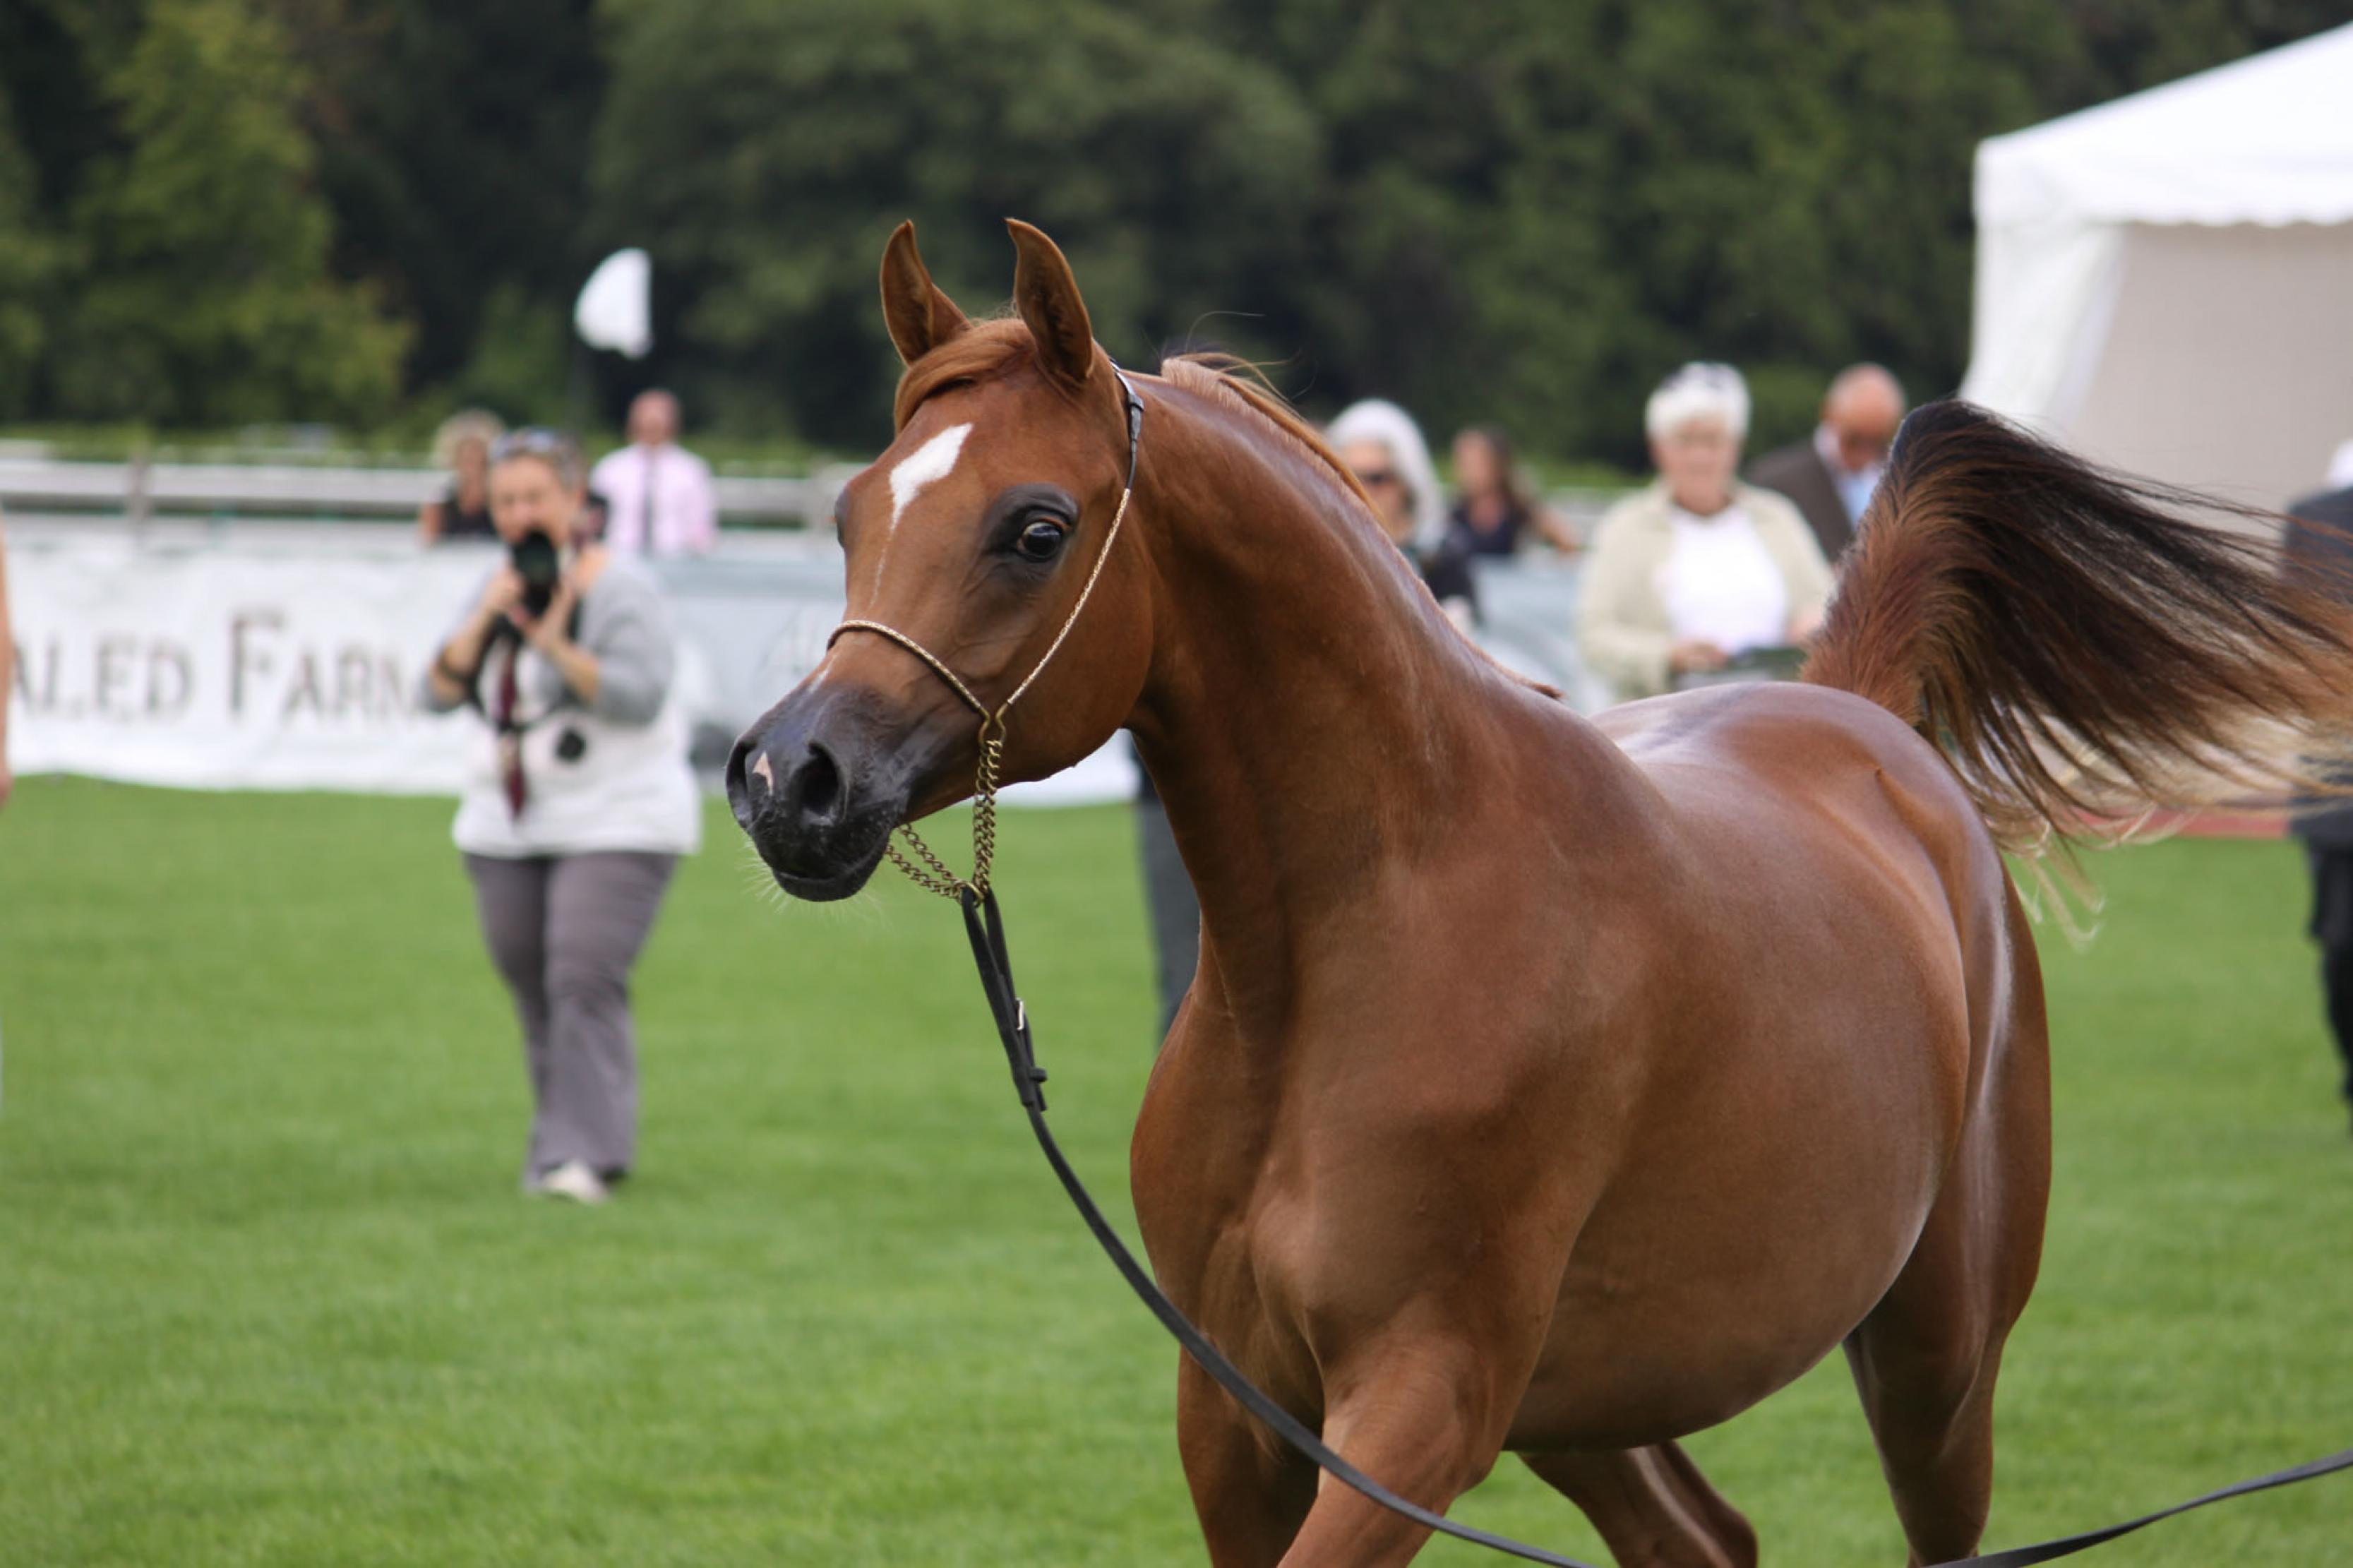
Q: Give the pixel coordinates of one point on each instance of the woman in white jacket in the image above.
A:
(1697, 569)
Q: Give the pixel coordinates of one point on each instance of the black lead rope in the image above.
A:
(985, 927)
(2068, 1545)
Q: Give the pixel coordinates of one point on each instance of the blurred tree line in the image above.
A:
(222, 211)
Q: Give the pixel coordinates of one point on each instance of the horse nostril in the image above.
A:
(819, 784)
(738, 796)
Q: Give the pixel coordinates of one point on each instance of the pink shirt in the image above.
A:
(658, 500)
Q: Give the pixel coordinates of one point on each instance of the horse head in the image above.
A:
(968, 547)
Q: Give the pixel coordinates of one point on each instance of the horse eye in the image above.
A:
(1040, 540)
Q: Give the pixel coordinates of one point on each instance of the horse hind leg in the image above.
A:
(1927, 1379)
(1925, 1359)
(1652, 1506)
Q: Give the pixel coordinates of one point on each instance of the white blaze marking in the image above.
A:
(926, 465)
(935, 459)
(760, 770)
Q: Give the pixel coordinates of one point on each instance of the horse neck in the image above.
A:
(1309, 716)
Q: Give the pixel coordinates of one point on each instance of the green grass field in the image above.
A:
(269, 1295)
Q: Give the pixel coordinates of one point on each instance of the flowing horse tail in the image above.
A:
(2080, 647)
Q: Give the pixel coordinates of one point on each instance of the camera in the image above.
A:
(535, 560)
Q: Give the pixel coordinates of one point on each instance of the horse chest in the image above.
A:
(1285, 1236)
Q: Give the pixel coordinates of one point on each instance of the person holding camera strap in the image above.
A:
(577, 805)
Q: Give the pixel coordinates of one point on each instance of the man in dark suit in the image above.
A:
(2320, 549)
(1830, 475)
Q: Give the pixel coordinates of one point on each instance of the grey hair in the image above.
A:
(1700, 390)
(1382, 424)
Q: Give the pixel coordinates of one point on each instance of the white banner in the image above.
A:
(223, 670)
(293, 662)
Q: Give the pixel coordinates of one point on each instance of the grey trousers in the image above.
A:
(564, 931)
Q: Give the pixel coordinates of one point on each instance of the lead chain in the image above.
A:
(939, 879)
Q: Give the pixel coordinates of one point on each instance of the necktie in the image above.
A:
(509, 734)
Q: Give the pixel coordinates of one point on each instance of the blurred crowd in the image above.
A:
(1701, 576)
(649, 497)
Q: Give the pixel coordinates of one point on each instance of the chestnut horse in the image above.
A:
(1549, 1085)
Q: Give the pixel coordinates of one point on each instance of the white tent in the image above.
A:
(2166, 282)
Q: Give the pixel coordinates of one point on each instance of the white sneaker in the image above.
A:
(574, 1180)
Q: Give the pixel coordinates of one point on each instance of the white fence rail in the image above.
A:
(138, 490)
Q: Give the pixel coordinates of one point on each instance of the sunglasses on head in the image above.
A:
(530, 442)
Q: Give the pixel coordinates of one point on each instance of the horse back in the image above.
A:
(1819, 771)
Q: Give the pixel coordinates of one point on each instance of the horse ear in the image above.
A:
(1047, 295)
(921, 318)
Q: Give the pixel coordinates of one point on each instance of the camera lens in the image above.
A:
(535, 560)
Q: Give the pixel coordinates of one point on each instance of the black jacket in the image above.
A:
(1798, 472)
(2323, 554)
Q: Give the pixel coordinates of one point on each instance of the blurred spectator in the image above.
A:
(1494, 508)
(1698, 570)
(578, 804)
(1382, 448)
(1831, 476)
(2320, 549)
(462, 447)
(657, 495)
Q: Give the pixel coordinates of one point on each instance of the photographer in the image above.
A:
(577, 805)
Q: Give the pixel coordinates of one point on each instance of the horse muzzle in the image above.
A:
(818, 782)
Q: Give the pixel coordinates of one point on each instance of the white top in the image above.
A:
(685, 511)
(1720, 585)
(610, 775)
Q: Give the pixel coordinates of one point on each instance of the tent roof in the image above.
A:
(2267, 140)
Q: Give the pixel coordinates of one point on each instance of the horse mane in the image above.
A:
(1231, 379)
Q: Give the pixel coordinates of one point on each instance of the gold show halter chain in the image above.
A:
(934, 874)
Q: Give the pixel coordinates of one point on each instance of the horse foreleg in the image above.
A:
(1250, 1492)
(1652, 1506)
(1425, 1421)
